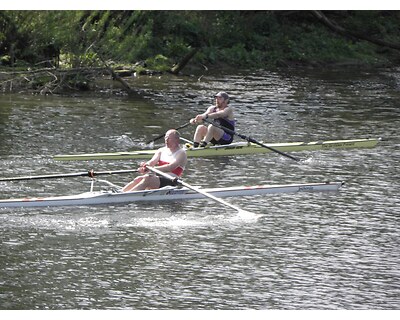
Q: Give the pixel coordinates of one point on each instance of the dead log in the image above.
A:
(116, 76)
(178, 67)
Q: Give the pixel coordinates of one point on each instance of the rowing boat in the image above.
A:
(236, 148)
(163, 194)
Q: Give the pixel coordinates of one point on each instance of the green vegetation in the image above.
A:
(160, 39)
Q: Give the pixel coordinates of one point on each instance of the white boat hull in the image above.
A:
(165, 194)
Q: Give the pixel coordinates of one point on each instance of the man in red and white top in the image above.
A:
(170, 159)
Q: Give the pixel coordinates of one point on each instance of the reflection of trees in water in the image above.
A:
(6, 139)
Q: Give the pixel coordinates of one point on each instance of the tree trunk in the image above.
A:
(178, 67)
(116, 76)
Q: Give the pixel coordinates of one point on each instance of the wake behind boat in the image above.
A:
(236, 148)
(165, 194)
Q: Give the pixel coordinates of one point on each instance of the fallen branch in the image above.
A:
(47, 80)
(178, 67)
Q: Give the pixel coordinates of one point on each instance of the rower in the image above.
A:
(170, 159)
(222, 114)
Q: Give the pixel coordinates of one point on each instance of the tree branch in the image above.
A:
(178, 67)
(351, 34)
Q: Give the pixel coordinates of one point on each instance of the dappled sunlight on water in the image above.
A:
(335, 250)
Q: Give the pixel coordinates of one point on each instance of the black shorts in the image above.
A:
(166, 182)
(226, 139)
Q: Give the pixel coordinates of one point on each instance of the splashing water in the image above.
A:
(125, 141)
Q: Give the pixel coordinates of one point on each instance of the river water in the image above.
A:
(297, 251)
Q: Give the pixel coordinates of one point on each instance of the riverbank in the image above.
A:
(120, 79)
(79, 48)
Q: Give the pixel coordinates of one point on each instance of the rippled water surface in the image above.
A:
(297, 251)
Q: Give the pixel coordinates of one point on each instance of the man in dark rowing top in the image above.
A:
(222, 114)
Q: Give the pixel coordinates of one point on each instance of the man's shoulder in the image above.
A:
(181, 151)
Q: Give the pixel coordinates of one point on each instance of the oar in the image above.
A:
(250, 139)
(187, 185)
(162, 135)
(89, 173)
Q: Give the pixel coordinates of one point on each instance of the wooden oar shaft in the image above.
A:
(162, 135)
(250, 139)
(89, 173)
(187, 185)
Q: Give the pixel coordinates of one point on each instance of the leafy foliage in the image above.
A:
(161, 38)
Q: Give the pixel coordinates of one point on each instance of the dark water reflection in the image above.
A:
(303, 251)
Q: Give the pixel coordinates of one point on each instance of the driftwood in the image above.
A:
(115, 76)
(50, 80)
(178, 67)
(352, 34)
(56, 80)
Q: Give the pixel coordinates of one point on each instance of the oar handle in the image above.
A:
(162, 135)
(165, 175)
(250, 139)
